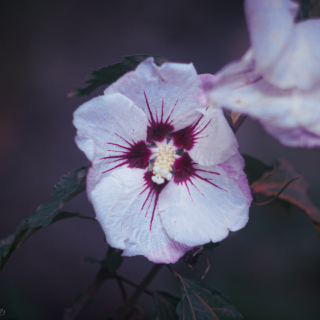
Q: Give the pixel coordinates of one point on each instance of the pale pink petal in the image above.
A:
(207, 81)
(292, 116)
(203, 209)
(233, 167)
(295, 137)
(298, 65)
(166, 93)
(286, 53)
(104, 124)
(93, 178)
(118, 200)
(235, 76)
(215, 140)
(271, 23)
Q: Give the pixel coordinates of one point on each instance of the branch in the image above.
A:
(237, 124)
(125, 311)
(134, 284)
(122, 289)
(103, 274)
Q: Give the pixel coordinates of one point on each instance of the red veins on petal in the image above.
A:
(158, 128)
(153, 191)
(185, 170)
(187, 137)
(135, 155)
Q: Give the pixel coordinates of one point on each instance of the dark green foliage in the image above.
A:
(113, 261)
(211, 246)
(315, 9)
(166, 305)
(67, 188)
(254, 168)
(202, 301)
(107, 75)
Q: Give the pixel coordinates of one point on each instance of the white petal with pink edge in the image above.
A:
(166, 92)
(198, 212)
(104, 126)
(118, 200)
(233, 167)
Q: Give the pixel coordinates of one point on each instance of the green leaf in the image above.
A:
(254, 168)
(113, 261)
(202, 301)
(166, 305)
(211, 246)
(67, 188)
(91, 260)
(315, 9)
(107, 75)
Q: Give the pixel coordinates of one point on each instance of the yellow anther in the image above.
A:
(164, 160)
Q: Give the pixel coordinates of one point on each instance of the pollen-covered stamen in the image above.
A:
(164, 161)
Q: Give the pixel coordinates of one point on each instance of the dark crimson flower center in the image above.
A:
(169, 159)
(137, 155)
(158, 128)
(186, 138)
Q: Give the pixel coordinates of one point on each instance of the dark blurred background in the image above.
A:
(270, 269)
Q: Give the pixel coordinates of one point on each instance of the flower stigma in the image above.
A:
(162, 168)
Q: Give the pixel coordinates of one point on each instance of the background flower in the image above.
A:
(277, 80)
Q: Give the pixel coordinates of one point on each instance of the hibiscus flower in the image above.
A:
(277, 80)
(166, 174)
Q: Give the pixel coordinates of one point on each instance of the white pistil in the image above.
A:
(164, 159)
(157, 179)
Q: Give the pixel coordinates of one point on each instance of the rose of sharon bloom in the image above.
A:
(166, 174)
(277, 81)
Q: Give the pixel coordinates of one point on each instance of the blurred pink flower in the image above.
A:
(166, 174)
(277, 80)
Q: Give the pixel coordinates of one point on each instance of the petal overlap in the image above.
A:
(126, 224)
(197, 212)
(215, 141)
(166, 92)
(104, 124)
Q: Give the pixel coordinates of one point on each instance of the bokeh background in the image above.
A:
(270, 269)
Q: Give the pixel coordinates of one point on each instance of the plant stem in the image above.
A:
(134, 284)
(235, 127)
(103, 274)
(125, 311)
(122, 289)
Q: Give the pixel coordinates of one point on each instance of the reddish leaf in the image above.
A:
(295, 193)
